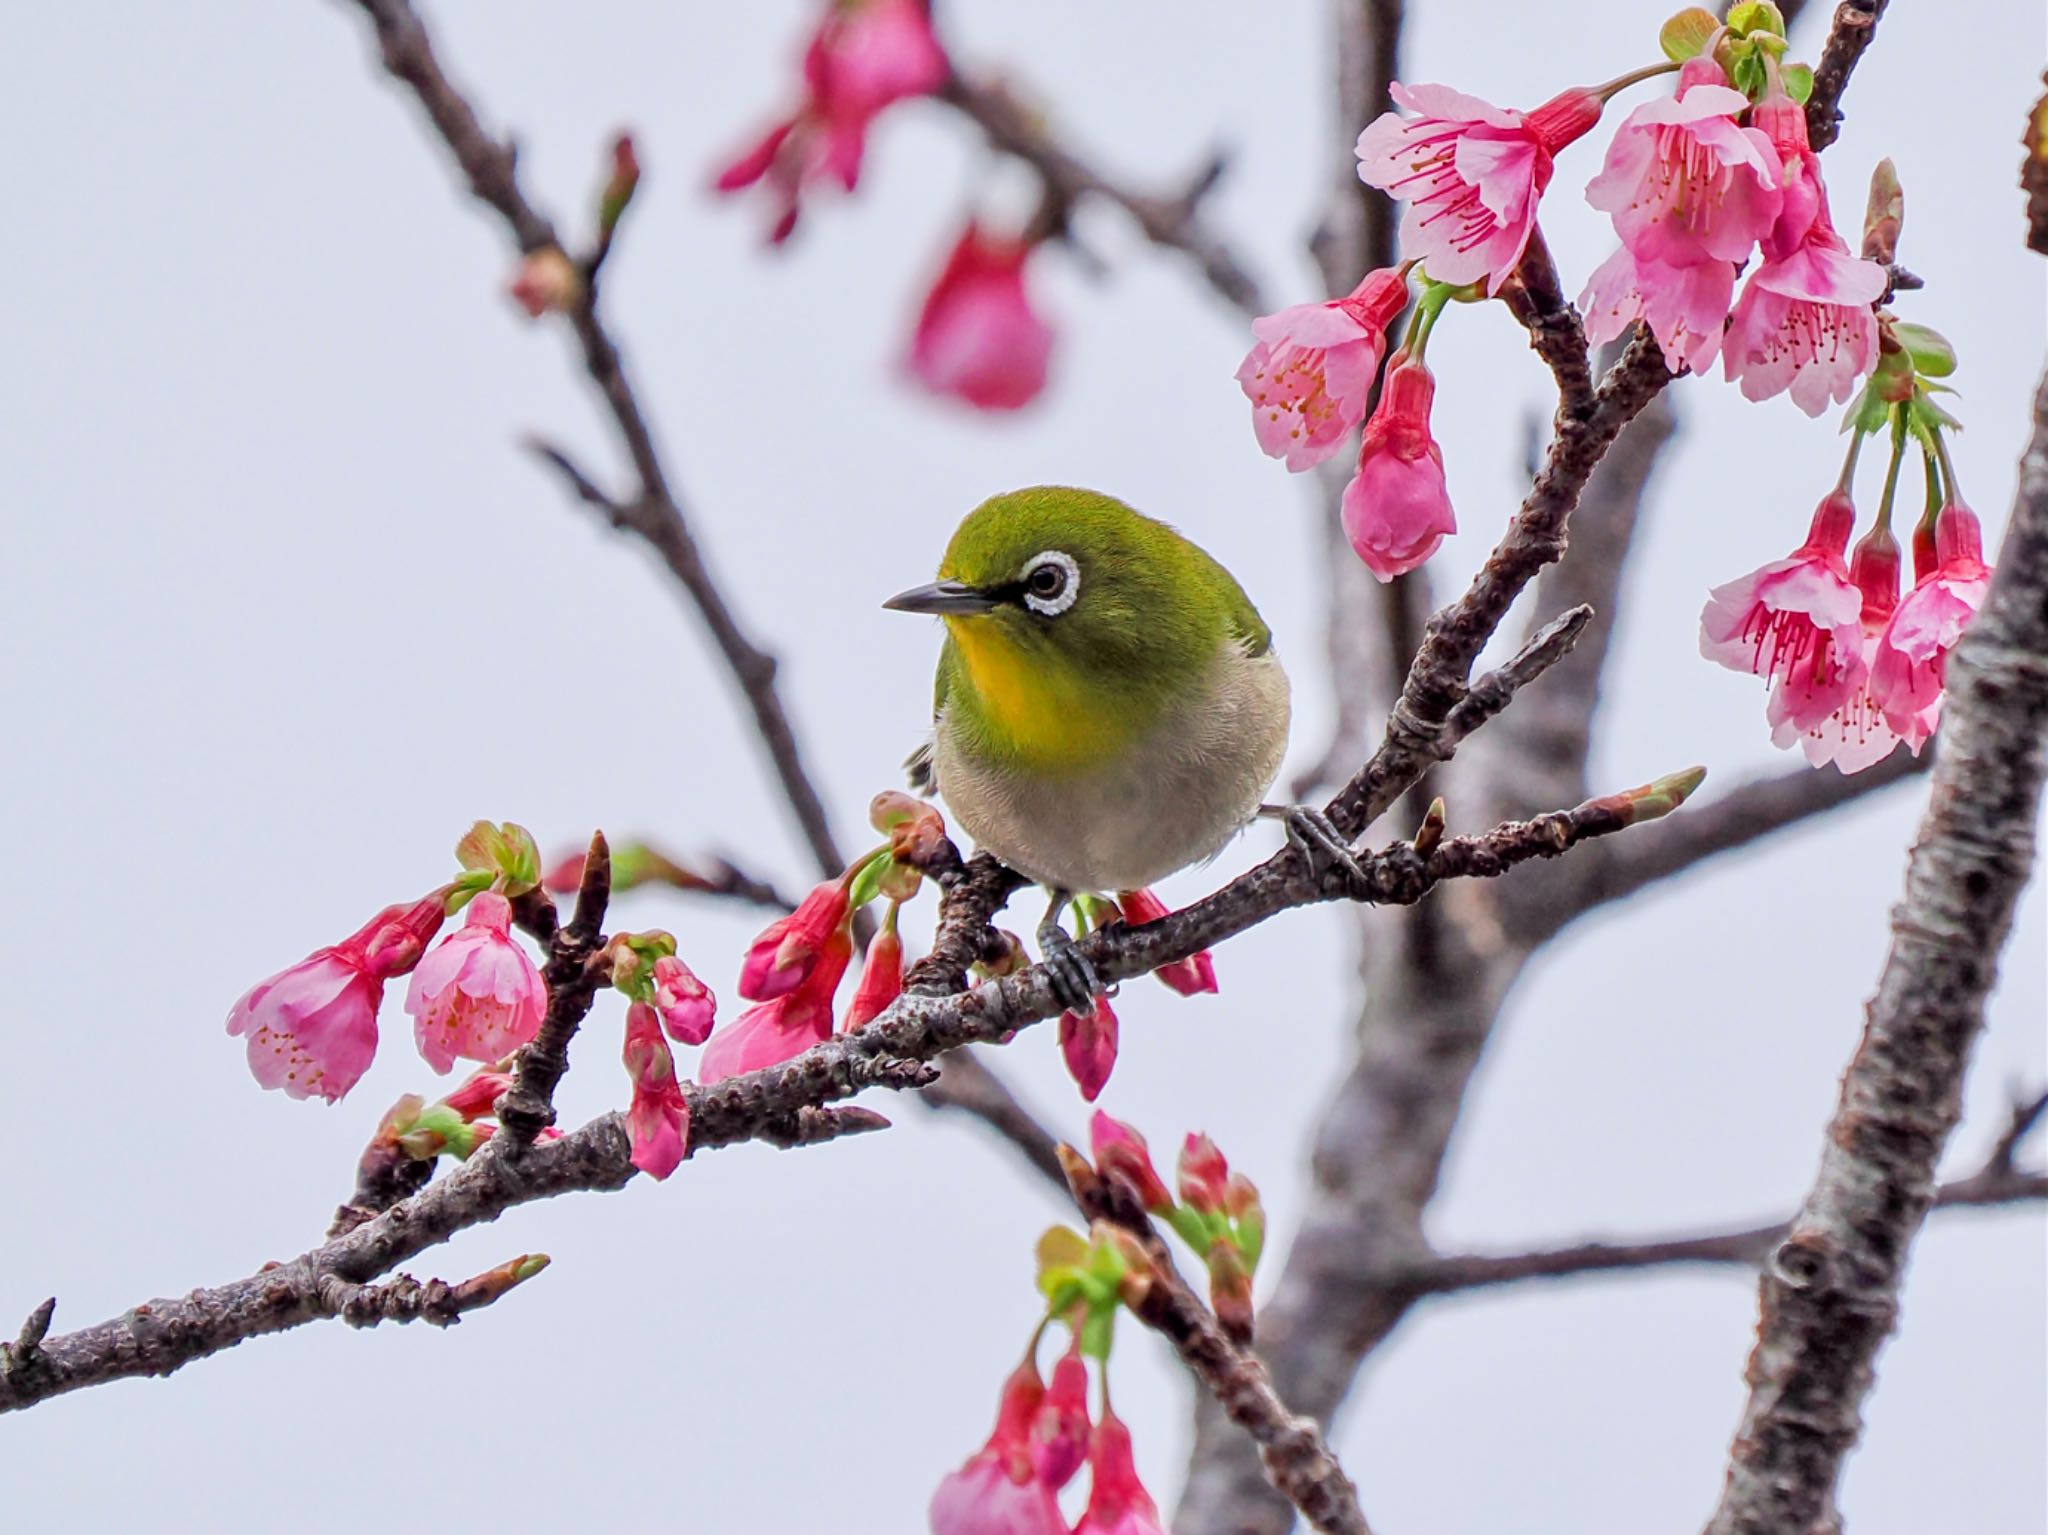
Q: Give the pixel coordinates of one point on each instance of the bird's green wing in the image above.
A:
(923, 776)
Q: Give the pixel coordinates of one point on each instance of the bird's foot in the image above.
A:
(1323, 847)
(1074, 981)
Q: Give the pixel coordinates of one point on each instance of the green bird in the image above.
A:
(1109, 707)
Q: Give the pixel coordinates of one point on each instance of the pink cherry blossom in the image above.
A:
(1088, 1045)
(1800, 617)
(1804, 321)
(479, 1093)
(1000, 1490)
(1840, 725)
(477, 996)
(1396, 510)
(1059, 1429)
(658, 1122)
(1191, 976)
(687, 1007)
(1909, 668)
(784, 1026)
(1470, 173)
(1118, 1503)
(865, 56)
(780, 960)
(1311, 372)
(1684, 183)
(1685, 307)
(312, 1028)
(977, 336)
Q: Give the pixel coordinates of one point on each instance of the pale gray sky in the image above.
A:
(285, 610)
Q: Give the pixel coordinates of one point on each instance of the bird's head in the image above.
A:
(1057, 598)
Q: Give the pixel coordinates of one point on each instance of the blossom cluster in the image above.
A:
(1712, 185)
(1044, 1433)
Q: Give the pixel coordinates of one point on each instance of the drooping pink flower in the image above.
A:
(865, 56)
(1000, 1490)
(978, 337)
(881, 977)
(1059, 1429)
(1118, 1503)
(1845, 727)
(784, 1026)
(1685, 307)
(658, 1122)
(1804, 321)
(1396, 509)
(1684, 183)
(1088, 1045)
(1909, 667)
(1800, 617)
(687, 1007)
(1190, 976)
(1470, 173)
(477, 996)
(778, 961)
(1311, 372)
(312, 1028)
(1121, 1152)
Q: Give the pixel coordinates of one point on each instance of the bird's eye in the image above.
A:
(1051, 583)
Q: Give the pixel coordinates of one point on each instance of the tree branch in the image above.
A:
(1173, 222)
(655, 512)
(1829, 1297)
(785, 1105)
(1854, 26)
(1299, 1462)
(1747, 813)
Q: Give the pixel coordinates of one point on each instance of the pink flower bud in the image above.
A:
(1118, 1503)
(1191, 976)
(1059, 1429)
(687, 1007)
(476, 996)
(1397, 509)
(1909, 667)
(479, 1094)
(1088, 1044)
(312, 1028)
(783, 956)
(881, 977)
(978, 337)
(547, 280)
(658, 1122)
(1204, 1175)
(1121, 1152)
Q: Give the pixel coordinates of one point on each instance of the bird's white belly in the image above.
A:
(1174, 798)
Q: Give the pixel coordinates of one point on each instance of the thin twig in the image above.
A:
(1298, 1460)
(1173, 222)
(1829, 1297)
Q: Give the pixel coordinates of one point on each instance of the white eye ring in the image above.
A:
(1051, 597)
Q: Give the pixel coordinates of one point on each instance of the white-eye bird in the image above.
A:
(1108, 709)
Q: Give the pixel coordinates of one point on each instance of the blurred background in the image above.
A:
(285, 609)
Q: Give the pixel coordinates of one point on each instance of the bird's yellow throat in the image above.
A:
(1045, 717)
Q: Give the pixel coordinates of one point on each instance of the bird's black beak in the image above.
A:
(943, 597)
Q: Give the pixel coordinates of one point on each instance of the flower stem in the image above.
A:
(1422, 318)
(1621, 83)
(1891, 473)
(1845, 481)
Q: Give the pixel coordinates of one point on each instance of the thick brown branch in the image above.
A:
(1830, 1295)
(1173, 222)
